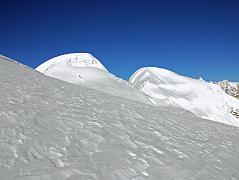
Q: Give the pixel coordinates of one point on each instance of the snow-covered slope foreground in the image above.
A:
(206, 100)
(84, 69)
(53, 130)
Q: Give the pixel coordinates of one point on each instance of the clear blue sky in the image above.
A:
(191, 37)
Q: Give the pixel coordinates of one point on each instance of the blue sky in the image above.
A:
(196, 38)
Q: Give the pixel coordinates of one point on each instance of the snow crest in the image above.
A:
(204, 99)
(73, 60)
(84, 69)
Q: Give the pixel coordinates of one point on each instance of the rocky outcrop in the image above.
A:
(235, 112)
(230, 88)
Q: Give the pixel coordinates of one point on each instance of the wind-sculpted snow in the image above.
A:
(50, 129)
(204, 99)
(84, 69)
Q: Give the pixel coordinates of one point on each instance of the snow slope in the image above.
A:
(158, 86)
(49, 131)
(84, 69)
(206, 100)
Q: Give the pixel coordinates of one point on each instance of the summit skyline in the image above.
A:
(194, 38)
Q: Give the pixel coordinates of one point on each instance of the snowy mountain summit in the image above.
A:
(204, 99)
(152, 85)
(70, 60)
(77, 68)
(84, 69)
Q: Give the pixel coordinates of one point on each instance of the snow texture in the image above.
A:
(204, 99)
(50, 129)
(156, 86)
(84, 69)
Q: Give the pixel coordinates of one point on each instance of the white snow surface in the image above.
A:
(155, 85)
(53, 130)
(204, 99)
(72, 60)
(84, 69)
